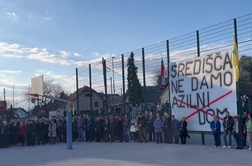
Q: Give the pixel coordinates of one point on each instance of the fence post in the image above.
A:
(239, 109)
(90, 88)
(198, 54)
(77, 92)
(144, 79)
(105, 84)
(123, 82)
(168, 75)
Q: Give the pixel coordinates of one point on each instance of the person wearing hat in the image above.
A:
(238, 129)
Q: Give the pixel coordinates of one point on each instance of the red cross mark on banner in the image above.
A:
(202, 109)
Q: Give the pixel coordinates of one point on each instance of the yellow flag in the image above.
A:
(235, 60)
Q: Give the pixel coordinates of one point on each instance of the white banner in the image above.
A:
(202, 87)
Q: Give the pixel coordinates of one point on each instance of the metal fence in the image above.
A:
(108, 77)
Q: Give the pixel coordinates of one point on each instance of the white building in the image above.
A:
(165, 95)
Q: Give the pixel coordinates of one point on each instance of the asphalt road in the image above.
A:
(126, 154)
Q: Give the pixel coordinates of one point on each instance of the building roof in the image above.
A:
(73, 96)
(152, 95)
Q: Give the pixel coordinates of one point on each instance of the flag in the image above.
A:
(235, 60)
(162, 75)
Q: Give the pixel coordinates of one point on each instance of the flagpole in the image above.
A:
(239, 110)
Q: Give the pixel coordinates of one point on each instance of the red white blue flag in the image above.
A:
(162, 75)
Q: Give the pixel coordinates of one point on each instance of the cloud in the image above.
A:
(41, 54)
(47, 18)
(10, 71)
(76, 55)
(30, 16)
(11, 15)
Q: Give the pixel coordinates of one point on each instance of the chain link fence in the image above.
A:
(109, 76)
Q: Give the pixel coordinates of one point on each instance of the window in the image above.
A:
(87, 95)
(96, 104)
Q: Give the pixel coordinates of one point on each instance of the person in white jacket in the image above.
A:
(133, 129)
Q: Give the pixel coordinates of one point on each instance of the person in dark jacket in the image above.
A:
(119, 129)
(167, 129)
(90, 129)
(74, 130)
(228, 123)
(142, 123)
(29, 132)
(14, 133)
(106, 129)
(98, 129)
(183, 130)
(215, 126)
(40, 132)
(238, 129)
(175, 129)
(4, 134)
(151, 130)
(112, 128)
(244, 119)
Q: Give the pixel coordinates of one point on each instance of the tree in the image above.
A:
(245, 64)
(157, 78)
(134, 86)
(51, 88)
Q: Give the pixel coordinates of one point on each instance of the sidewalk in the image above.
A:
(124, 154)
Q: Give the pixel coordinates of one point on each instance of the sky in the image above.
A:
(52, 38)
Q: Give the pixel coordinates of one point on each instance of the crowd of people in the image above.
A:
(139, 128)
(239, 128)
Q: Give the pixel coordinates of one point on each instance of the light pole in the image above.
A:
(111, 102)
(113, 78)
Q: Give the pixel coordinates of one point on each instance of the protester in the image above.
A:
(249, 131)
(215, 126)
(175, 130)
(158, 125)
(110, 129)
(228, 123)
(183, 130)
(238, 130)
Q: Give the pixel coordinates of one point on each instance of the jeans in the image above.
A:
(159, 138)
(217, 139)
(229, 134)
(126, 132)
(81, 133)
(239, 141)
(14, 138)
(249, 138)
(175, 136)
(143, 134)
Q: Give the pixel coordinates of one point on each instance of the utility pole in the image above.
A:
(4, 94)
(13, 100)
(111, 84)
